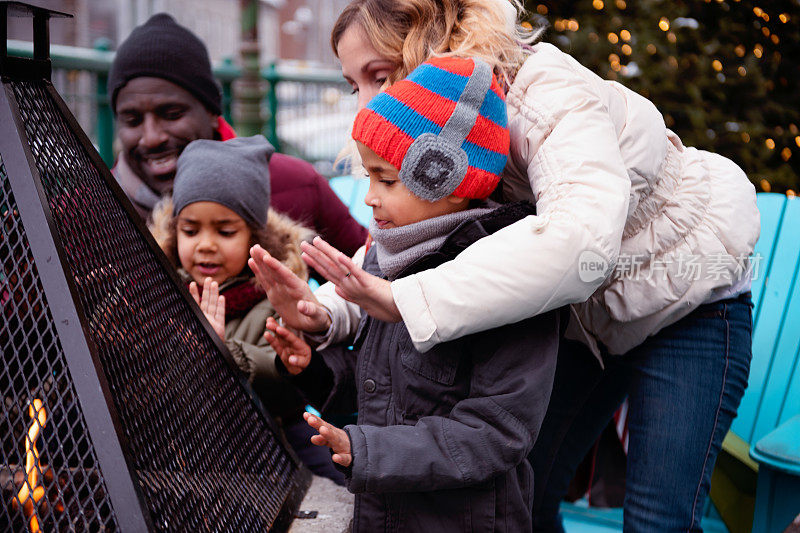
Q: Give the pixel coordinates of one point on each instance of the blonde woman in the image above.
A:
(646, 239)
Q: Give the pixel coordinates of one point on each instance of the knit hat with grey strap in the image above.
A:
(444, 127)
(233, 173)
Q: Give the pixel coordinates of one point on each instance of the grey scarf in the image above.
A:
(399, 247)
(142, 196)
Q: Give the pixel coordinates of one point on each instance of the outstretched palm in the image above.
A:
(353, 283)
(289, 295)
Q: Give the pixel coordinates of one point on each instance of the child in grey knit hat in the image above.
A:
(218, 211)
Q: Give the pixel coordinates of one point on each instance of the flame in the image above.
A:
(32, 491)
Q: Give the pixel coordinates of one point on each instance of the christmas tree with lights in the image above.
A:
(725, 74)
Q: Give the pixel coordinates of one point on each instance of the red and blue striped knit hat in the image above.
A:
(444, 127)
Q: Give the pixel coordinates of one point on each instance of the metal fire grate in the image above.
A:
(198, 452)
(34, 368)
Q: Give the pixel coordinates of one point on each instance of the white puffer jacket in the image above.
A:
(610, 183)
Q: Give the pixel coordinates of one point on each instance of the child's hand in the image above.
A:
(370, 293)
(212, 304)
(293, 351)
(334, 438)
(289, 295)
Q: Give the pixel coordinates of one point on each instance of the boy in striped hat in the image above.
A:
(442, 437)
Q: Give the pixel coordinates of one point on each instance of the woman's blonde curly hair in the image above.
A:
(407, 32)
(281, 237)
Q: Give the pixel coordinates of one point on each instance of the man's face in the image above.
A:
(156, 119)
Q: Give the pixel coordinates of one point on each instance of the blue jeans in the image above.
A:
(684, 385)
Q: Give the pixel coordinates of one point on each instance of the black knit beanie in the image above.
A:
(162, 48)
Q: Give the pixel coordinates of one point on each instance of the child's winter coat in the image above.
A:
(442, 437)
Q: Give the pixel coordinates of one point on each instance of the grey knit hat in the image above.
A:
(233, 173)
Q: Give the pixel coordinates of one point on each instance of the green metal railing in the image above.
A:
(307, 112)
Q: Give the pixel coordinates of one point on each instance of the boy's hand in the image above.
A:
(353, 283)
(334, 438)
(212, 304)
(289, 295)
(293, 351)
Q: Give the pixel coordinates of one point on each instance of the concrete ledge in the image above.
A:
(334, 507)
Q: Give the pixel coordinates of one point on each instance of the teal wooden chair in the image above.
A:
(764, 441)
(756, 484)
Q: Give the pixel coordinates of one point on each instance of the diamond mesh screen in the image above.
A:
(205, 458)
(72, 496)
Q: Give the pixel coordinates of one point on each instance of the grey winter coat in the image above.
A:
(442, 437)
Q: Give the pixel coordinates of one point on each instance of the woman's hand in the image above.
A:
(334, 438)
(371, 293)
(294, 352)
(212, 304)
(289, 295)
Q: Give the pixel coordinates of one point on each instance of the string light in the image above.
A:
(775, 138)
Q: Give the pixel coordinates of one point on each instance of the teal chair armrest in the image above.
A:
(778, 491)
(780, 449)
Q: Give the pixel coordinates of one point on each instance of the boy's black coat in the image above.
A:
(442, 436)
